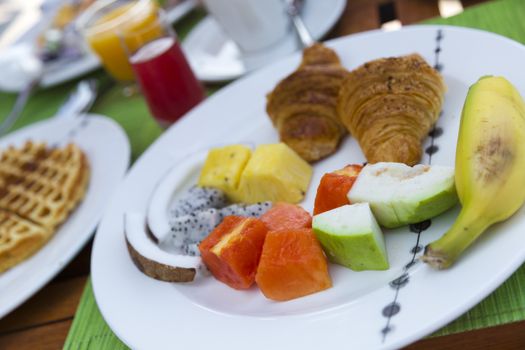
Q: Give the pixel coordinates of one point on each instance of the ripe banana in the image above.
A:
(490, 166)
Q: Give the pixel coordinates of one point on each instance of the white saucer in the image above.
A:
(214, 57)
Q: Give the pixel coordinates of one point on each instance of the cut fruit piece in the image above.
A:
(232, 250)
(284, 216)
(274, 173)
(153, 261)
(188, 230)
(333, 188)
(223, 168)
(251, 210)
(292, 265)
(399, 194)
(351, 237)
(196, 199)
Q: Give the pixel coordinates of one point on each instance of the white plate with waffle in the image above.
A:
(64, 225)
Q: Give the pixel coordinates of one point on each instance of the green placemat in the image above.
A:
(89, 331)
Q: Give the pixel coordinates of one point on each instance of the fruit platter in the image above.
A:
(317, 218)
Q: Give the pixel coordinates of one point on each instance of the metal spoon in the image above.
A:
(80, 100)
(293, 8)
(76, 107)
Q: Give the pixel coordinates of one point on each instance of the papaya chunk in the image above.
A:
(292, 265)
(233, 249)
(334, 187)
(284, 216)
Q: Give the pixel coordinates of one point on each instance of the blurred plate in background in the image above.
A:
(108, 151)
(14, 79)
(215, 58)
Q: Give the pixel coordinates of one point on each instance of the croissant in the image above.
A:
(303, 105)
(389, 105)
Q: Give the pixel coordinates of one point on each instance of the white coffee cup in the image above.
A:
(254, 25)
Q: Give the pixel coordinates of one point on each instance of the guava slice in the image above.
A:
(351, 236)
(399, 194)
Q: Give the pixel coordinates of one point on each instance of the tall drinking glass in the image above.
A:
(162, 71)
(103, 22)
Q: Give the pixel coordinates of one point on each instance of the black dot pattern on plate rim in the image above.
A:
(391, 309)
(400, 282)
(432, 149)
(420, 226)
(436, 132)
(416, 249)
(394, 307)
(410, 264)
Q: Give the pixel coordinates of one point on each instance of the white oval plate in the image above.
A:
(354, 314)
(107, 149)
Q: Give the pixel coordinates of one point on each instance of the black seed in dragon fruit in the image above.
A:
(192, 250)
(196, 199)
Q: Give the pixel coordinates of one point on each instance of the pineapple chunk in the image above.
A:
(223, 168)
(274, 173)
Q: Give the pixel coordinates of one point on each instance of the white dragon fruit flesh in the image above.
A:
(190, 229)
(198, 198)
(249, 210)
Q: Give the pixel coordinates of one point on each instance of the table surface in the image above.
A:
(43, 321)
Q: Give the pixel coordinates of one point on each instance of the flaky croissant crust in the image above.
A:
(389, 105)
(303, 105)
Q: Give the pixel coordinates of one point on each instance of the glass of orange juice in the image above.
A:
(105, 22)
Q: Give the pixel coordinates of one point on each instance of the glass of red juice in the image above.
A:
(164, 75)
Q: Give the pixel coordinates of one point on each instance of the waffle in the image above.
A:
(39, 186)
(19, 239)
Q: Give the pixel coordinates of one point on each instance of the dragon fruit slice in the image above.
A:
(251, 210)
(192, 250)
(198, 198)
(189, 229)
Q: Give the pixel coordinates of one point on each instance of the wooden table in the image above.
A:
(43, 321)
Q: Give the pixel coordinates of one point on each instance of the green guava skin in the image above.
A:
(351, 237)
(356, 252)
(427, 208)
